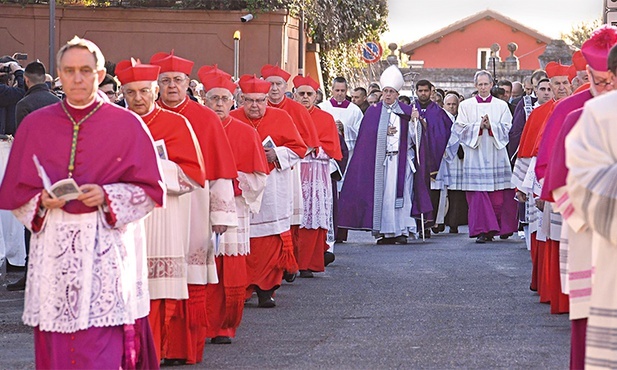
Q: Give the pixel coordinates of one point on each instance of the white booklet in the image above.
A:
(66, 189)
(161, 149)
(268, 142)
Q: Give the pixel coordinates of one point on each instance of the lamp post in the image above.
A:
(301, 52)
(494, 50)
(52, 37)
(236, 54)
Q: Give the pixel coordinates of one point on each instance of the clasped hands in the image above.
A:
(92, 195)
(485, 122)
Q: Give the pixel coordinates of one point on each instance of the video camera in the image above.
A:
(6, 59)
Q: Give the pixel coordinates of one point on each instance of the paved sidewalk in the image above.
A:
(447, 303)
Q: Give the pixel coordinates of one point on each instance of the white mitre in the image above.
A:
(392, 77)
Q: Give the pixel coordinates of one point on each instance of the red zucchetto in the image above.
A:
(132, 70)
(578, 61)
(554, 69)
(205, 71)
(305, 80)
(171, 63)
(214, 80)
(251, 84)
(269, 70)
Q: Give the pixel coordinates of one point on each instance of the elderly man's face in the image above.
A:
(79, 76)
(484, 85)
(255, 105)
(601, 82)
(389, 95)
(450, 104)
(561, 87)
(305, 95)
(220, 101)
(173, 87)
(140, 96)
(278, 86)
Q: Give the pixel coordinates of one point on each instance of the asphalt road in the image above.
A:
(447, 303)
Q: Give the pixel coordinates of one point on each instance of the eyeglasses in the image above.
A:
(110, 93)
(307, 93)
(133, 93)
(601, 83)
(177, 80)
(248, 101)
(216, 99)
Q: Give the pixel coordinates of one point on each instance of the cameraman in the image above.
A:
(12, 89)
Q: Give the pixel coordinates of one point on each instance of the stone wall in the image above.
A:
(206, 37)
(459, 79)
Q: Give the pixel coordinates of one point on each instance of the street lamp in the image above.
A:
(52, 37)
(236, 54)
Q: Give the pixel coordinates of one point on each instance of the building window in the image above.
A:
(483, 57)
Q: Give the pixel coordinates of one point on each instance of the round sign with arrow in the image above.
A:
(371, 52)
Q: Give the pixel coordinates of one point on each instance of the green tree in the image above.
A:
(580, 32)
(339, 26)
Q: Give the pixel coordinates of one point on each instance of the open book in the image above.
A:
(268, 142)
(66, 189)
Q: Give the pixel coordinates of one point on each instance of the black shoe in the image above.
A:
(402, 239)
(328, 258)
(385, 241)
(18, 285)
(482, 238)
(439, 228)
(289, 277)
(220, 340)
(265, 298)
(306, 274)
(453, 230)
(427, 234)
(173, 362)
(506, 236)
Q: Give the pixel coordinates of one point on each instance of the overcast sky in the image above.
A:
(410, 20)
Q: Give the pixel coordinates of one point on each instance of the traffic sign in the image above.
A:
(371, 52)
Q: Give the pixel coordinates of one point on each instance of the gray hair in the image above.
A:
(482, 72)
(78, 42)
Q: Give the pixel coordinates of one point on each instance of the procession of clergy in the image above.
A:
(186, 210)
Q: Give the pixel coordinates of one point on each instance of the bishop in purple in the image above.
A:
(377, 191)
(82, 294)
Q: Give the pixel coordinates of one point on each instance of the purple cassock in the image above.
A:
(556, 171)
(432, 146)
(114, 154)
(553, 126)
(113, 146)
(357, 197)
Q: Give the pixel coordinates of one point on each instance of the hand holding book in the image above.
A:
(65, 189)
